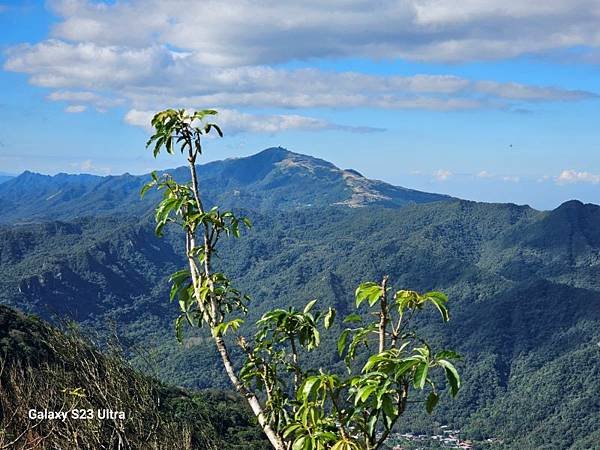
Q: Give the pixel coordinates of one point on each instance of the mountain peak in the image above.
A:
(275, 155)
(274, 152)
(570, 204)
(273, 179)
(29, 173)
(575, 207)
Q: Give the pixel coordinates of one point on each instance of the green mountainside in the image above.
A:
(523, 284)
(50, 372)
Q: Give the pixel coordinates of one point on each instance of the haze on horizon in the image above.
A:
(492, 101)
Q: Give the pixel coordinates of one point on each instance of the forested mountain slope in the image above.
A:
(523, 284)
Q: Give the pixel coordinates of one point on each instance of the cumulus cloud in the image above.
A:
(238, 122)
(154, 77)
(74, 109)
(573, 176)
(271, 31)
(89, 166)
(59, 64)
(442, 174)
(216, 53)
(78, 97)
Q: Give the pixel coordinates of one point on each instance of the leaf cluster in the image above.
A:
(357, 411)
(178, 127)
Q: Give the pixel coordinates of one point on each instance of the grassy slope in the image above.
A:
(45, 369)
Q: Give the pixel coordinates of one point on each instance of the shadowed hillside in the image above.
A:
(45, 370)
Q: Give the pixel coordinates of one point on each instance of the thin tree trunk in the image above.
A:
(255, 405)
(297, 372)
(251, 398)
(383, 315)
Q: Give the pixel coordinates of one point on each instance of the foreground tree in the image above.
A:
(297, 407)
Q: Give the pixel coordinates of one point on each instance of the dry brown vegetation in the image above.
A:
(42, 368)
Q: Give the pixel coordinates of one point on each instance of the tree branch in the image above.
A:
(383, 315)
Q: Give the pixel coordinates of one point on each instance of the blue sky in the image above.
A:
(493, 101)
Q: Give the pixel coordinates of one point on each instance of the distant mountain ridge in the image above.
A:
(272, 179)
(523, 284)
(5, 177)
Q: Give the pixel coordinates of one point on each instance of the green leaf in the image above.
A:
(340, 445)
(406, 299)
(423, 351)
(368, 291)
(299, 444)
(185, 300)
(405, 365)
(439, 300)
(146, 187)
(372, 361)
(291, 429)
(353, 318)
(177, 279)
(451, 375)
(363, 394)
(329, 318)
(448, 354)
(341, 344)
(309, 385)
(371, 424)
(222, 328)
(216, 128)
(179, 328)
(421, 375)
(432, 401)
(389, 410)
(309, 306)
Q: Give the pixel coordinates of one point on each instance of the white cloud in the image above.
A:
(139, 118)
(573, 176)
(517, 91)
(155, 77)
(152, 54)
(234, 122)
(71, 96)
(99, 102)
(271, 31)
(88, 166)
(75, 109)
(58, 64)
(442, 174)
